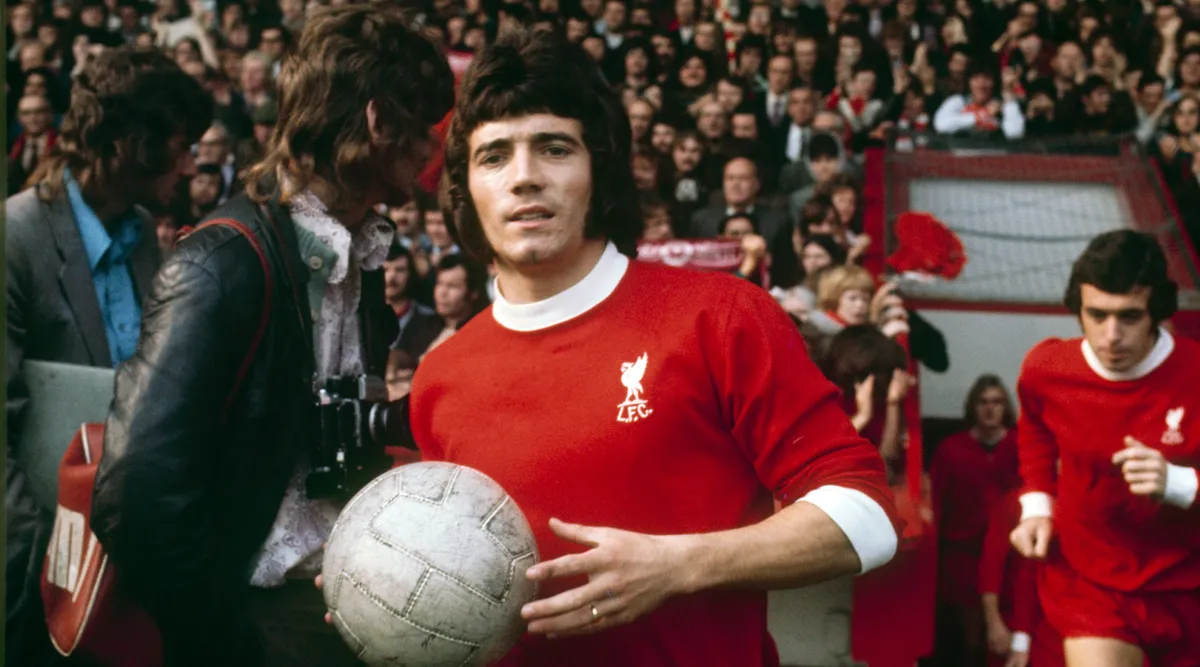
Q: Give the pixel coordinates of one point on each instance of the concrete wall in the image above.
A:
(981, 343)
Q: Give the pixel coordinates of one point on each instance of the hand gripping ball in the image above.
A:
(426, 566)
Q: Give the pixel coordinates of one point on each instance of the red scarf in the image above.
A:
(19, 147)
(983, 119)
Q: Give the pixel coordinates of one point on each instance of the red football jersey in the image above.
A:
(969, 479)
(651, 399)
(1075, 411)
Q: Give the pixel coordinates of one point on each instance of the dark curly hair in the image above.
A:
(529, 72)
(1119, 262)
(349, 56)
(133, 113)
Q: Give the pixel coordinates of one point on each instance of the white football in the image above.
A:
(426, 566)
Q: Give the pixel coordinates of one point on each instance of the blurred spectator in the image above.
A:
(1150, 105)
(205, 190)
(34, 142)
(773, 106)
(419, 324)
(641, 115)
(981, 111)
(656, 217)
(740, 226)
(824, 161)
(869, 369)
(688, 187)
(216, 149)
(817, 252)
(257, 79)
(459, 294)
(971, 473)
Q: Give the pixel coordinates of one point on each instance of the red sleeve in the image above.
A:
(939, 481)
(996, 549)
(782, 411)
(1037, 448)
(1026, 608)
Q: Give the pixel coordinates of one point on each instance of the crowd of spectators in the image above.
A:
(749, 120)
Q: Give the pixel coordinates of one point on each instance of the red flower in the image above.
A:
(926, 245)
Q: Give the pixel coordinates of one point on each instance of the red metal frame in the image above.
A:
(1148, 204)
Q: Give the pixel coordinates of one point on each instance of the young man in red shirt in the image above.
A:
(1109, 447)
(644, 418)
(972, 471)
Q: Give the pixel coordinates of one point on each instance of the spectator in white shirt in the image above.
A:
(981, 111)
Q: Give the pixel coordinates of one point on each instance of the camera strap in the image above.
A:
(269, 290)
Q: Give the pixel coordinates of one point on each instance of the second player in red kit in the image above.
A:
(1109, 443)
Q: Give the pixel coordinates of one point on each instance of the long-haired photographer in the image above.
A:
(202, 499)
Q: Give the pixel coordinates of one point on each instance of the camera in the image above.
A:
(356, 422)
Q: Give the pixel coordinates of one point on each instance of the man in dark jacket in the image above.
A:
(201, 498)
(80, 254)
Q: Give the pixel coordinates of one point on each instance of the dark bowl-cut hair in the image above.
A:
(859, 351)
(530, 72)
(1119, 262)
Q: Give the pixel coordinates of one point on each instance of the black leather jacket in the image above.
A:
(192, 478)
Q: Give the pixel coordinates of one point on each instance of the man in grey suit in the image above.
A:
(740, 187)
(81, 254)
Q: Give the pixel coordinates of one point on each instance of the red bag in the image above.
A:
(85, 612)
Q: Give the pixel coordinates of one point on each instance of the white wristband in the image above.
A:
(1036, 504)
(1181, 487)
(1021, 641)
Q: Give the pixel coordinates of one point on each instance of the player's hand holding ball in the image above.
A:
(1031, 538)
(629, 575)
(1144, 468)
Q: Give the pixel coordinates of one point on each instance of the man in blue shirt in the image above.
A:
(80, 258)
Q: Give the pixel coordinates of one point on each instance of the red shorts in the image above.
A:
(1166, 625)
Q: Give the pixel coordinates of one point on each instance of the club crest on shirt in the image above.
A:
(633, 407)
(1172, 436)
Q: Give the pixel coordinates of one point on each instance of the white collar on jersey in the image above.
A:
(1158, 354)
(572, 302)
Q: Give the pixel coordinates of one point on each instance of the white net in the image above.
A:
(1020, 238)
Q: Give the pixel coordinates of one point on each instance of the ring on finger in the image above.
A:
(595, 614)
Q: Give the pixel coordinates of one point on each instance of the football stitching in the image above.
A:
(486, 597)
(378, 601)
(412, 599)
(362, 646)
(512, 563)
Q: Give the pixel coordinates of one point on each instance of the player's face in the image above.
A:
(530, 178)
(989, 408)
(1118, 327)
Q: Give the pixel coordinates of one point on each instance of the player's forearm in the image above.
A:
(797, 546)
(889, 442)
(991, 608)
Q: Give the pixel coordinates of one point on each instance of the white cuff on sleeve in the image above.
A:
(864, 522)
(1036, 504)
(1182, 484)
(1021, 641)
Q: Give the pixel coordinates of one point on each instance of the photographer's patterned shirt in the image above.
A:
(292, 550)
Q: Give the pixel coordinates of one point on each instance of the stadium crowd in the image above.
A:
(750, 121)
